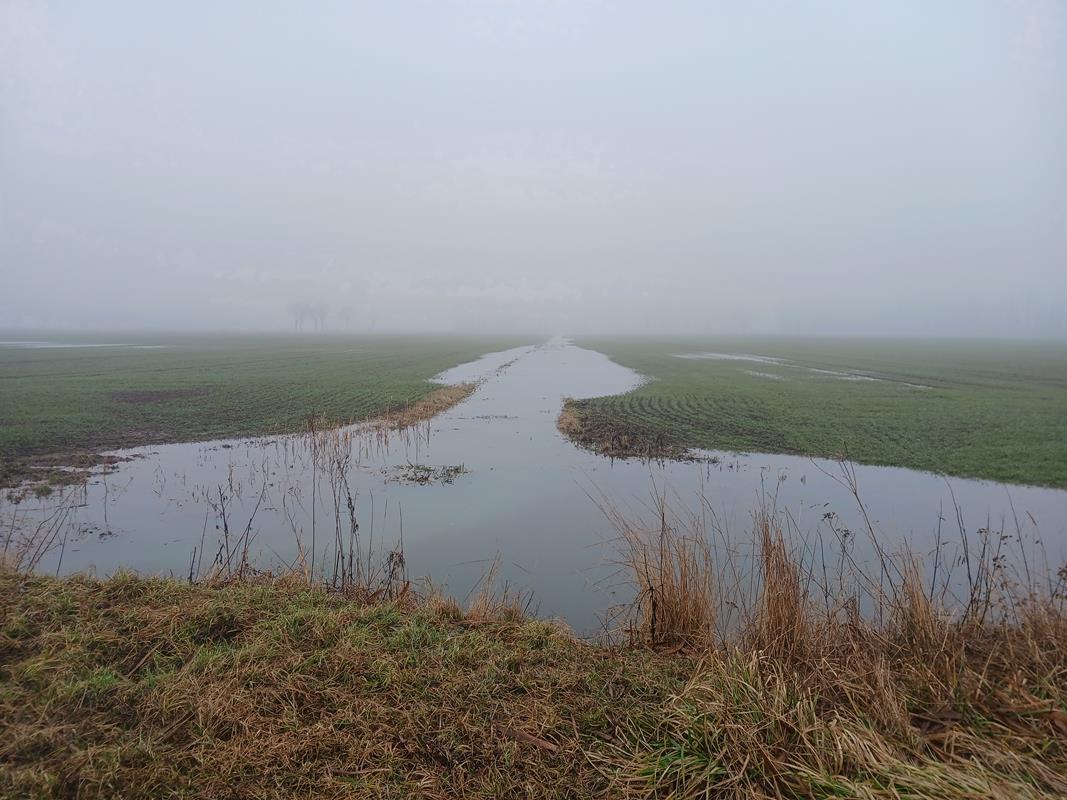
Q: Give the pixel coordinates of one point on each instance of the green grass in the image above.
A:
(995, 410)
(61, 401)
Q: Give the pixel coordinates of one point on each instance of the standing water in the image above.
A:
(491, 477)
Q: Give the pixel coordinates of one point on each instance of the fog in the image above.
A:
(551, 167)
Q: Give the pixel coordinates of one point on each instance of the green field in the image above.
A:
(994, 410)
(186, 388)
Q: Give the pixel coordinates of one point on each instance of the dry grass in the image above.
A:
(829, 682)
(136, 687)
(614, 440)
(426, 408)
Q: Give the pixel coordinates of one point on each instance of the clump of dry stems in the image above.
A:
(614, 440)
(426, 408)
(827, 676)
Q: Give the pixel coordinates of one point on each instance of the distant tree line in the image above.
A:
(309, 316)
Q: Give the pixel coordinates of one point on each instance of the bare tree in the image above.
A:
(299, 312)
(347, 314)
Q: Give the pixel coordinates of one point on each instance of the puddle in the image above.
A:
(731, 357)
(845, 376)
(781, 362)
(492, 476)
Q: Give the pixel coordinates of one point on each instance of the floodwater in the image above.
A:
(773, 361)
(510, 486)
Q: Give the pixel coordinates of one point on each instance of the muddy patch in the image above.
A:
(40, 475)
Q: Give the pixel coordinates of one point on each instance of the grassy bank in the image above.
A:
(149, 688)
(134, 687)
(68, 401)
(994, 410)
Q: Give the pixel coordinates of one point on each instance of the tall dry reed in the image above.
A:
(823, 674)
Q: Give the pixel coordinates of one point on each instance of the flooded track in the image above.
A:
(491, 476)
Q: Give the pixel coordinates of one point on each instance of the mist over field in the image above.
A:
(564, 167)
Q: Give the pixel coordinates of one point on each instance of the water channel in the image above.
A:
(516, 489)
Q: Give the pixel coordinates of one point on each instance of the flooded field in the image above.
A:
(491, 477)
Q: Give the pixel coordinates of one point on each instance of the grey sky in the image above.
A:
(838, 167)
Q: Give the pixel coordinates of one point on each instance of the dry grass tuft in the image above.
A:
(674, 576)
(613, 440)
(830, 682)
(426, 408)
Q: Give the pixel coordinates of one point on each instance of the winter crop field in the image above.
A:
(985, 409)
(68, 394)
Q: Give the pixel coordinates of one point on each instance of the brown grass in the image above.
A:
(614, 440)
(135, 687)
(824, 682)
(426, 408)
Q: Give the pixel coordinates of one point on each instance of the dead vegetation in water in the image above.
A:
(614, 440)
(436, 402)
(423, 474)
(32, 475)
